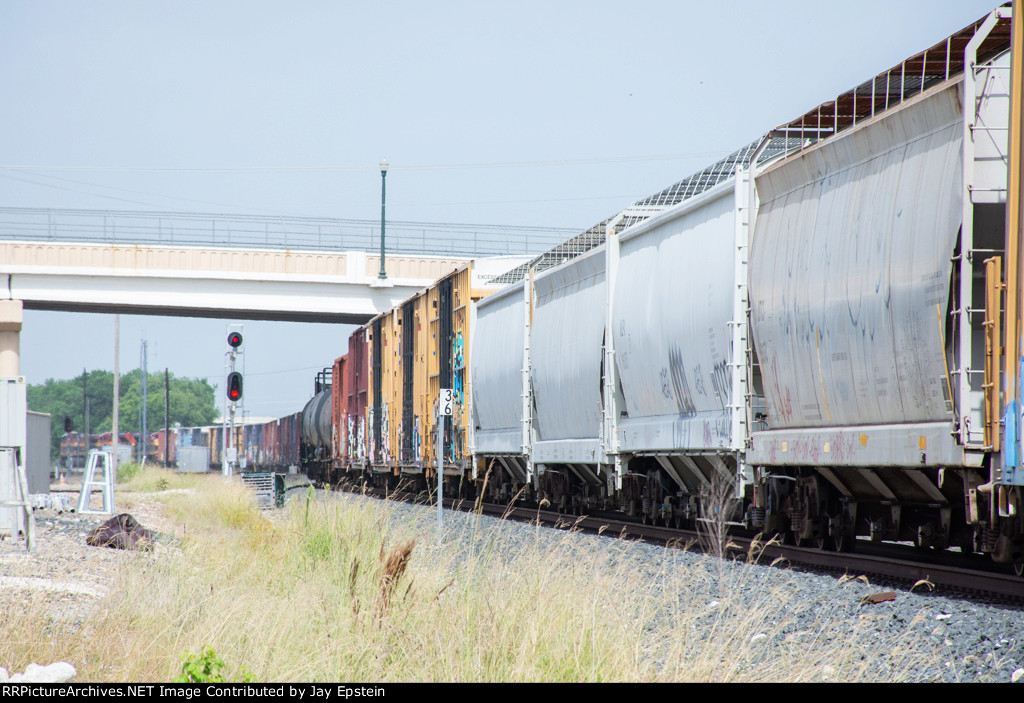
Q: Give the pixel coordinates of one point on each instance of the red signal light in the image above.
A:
(235, 340)
(234, 386)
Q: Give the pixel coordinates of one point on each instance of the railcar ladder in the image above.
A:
(98, 459)
(13, 468)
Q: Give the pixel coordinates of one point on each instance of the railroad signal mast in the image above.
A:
(233, 396)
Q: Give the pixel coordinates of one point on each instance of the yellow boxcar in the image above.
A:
(421, 406)
(385, 397)
(415, 350)
(449, 305)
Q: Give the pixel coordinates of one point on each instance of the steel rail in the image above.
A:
(957, 580)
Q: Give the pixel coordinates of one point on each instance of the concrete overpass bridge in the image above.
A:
(231, 266)
(198, 281)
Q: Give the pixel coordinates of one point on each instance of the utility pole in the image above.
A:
(167, 418)
(88, 437)
(144, 396)
(85, 423)
(383, 182)
(117, 382)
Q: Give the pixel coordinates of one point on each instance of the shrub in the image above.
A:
(205, 668)
(127, 471)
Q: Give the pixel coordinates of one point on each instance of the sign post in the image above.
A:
(444, 410)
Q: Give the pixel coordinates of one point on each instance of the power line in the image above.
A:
(78, 190)
(270, 373)
(129, 190)
(268, 212)
(411, 167)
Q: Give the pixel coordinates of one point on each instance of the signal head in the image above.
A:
(234, 386)
(235, 340)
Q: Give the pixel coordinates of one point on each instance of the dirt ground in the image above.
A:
(63, 571)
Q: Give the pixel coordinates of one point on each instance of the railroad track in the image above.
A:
(949, 573)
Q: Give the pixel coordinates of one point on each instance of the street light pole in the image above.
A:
(383, 181)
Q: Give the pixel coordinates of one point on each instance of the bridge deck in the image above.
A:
(197, 281)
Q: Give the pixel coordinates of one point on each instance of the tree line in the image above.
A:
(191, 402)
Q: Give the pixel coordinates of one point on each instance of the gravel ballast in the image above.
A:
(966, 640)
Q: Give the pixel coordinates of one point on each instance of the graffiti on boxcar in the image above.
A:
(385, 433)
(351, 434)
(357, 448)
(361, 439)
(460, 367)
(372, 439)
(458, 388)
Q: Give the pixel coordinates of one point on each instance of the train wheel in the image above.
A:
(1018, 566)
(823, 543)
(844, 542)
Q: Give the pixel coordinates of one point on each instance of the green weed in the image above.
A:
(206, 668)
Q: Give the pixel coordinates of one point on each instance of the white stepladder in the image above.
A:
(98, 460)
(13, 472)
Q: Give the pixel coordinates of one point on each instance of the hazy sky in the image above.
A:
(521, 113)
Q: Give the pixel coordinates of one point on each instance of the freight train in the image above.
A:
(73, 450)
(276, 445)
(815, 324)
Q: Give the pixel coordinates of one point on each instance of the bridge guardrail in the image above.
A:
(259, 232)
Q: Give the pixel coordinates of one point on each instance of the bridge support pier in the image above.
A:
(10, 337)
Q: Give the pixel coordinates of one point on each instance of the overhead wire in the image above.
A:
(392, 167)
(36, 172)
(137, 192)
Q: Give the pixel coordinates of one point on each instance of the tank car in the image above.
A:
(316, 431)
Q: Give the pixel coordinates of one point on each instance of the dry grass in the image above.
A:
(344, 590)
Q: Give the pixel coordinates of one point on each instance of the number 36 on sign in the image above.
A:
(446, 401)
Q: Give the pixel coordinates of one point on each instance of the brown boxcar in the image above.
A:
(157, 442)
(291, 439)
(356, 400)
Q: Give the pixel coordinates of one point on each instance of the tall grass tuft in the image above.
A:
(394, 567)
(127, 470)
(348, 588)
(133, 478)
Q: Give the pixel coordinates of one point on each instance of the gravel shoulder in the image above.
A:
(64, 571)
(971, 640)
